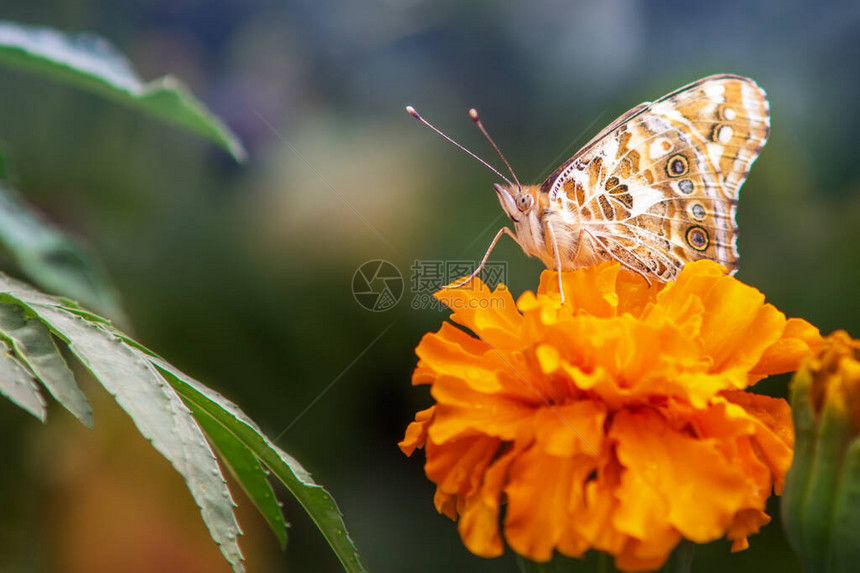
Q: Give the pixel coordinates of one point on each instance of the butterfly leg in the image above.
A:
(502, 231)
(554, 243)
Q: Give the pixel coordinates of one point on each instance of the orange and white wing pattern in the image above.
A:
(659, 186)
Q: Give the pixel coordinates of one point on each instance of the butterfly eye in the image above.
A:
(525, 202)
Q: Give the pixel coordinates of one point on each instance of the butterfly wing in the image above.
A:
(659, 186)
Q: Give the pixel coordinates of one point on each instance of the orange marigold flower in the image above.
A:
(617, 421)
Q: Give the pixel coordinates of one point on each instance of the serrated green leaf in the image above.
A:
(17, 385)
(246, 469)
(92, 63)
(35, 347)
(315, 500)
(50, 258)
(73, 308)
(157, 411)
(170, 408)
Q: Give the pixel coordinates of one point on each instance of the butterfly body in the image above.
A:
(536, 227)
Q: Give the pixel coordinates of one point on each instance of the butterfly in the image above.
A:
(657, 188)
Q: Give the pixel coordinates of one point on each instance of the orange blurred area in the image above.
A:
(112, 503)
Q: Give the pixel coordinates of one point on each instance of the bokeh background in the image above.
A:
(241, 274)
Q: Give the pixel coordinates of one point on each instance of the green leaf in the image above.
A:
(51, 259)
(92, 63)
(176, 413)
(153, 405)
(315, 500)
(246, 468)
(34, 346)
(17, 385)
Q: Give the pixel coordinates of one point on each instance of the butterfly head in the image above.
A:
(517, 202)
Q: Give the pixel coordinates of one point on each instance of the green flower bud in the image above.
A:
(821, 500)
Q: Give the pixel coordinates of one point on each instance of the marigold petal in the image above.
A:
(423, 374)
(570, 429)
(540, 490)
(773, 431)
(673, 479)
(799, 340)
(457, 467)
(548, 357)
(598, 378)
(746, 522)
(492, 315)
(773, 413)
(589, 343)
(702, 272)
(747, 443)
(474, 346)
(416, 432)
(679, 304)
(635, 295)
(758, 476)
(597, 355)
(479, 522)
(591, 290)
(445, 503)
(479, 528)
(650, 554)
(594, 521)
(738, 327)
(462, 410)
(690, 287)
(701, 387)
(449, 358)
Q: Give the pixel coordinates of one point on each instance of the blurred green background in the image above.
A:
(241, 274)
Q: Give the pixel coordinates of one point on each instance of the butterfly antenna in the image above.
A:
(414, 114)
(473, 113)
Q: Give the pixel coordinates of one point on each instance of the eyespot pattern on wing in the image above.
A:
(659, 186)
